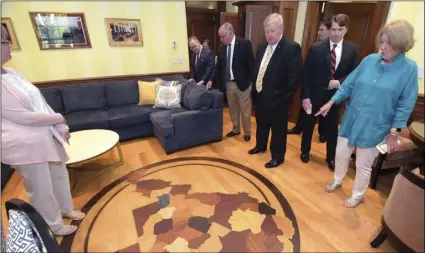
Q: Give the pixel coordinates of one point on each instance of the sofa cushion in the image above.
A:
(129, 115)
(83, 97)
(168, 97)
(176, 77)
(53, 97)
(162, 121)
(196, 97)
(147, 92)
(91, 119)
(121, 93)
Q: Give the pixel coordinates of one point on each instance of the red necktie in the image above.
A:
(333, 61)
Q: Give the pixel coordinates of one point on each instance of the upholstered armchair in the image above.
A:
(27, 230)
(403, 215)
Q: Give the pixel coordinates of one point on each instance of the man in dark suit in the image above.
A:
(235, 66)
(277, 68)
(327, 65)
(322, 34)
(202, 63)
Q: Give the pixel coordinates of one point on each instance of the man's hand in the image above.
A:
(201, 82)
(209, 84)
(66, 136)
(333, 84)
(306, 104)
(325, 109)
(190, 80)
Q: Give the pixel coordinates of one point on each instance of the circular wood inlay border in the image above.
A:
(67, 241)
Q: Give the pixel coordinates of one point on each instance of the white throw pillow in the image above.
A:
(168, 97)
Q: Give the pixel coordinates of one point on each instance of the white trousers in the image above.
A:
(364, 162)
(47, 186)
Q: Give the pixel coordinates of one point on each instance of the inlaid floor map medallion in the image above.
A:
(188, 205)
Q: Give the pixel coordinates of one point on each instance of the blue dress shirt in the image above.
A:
(382, 96)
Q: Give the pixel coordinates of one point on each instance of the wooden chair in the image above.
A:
(403, 215)
(407, 155)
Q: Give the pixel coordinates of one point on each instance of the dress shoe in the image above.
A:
(256, 151)
(322, 138)
(273, 163)
(305, 157)
(331, 165)
(247, 137)
(231, 134)
(294, 130)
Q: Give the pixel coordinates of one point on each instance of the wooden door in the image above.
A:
(202, 24)
(232, 18)
(254, 30)
(365, 21)
(289, 11)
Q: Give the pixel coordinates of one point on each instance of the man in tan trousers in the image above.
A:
(235, 65)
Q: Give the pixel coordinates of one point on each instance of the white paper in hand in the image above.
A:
(308, 111)
(383, 147)
(57, 135)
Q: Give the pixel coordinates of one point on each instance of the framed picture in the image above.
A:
(124, 32)
(56, 30)
(7, 23)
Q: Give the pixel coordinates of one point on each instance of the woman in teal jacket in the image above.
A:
(383, 90)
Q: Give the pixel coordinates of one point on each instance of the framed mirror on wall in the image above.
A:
(13, 40)
(56, 30)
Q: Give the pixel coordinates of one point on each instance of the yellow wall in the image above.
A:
(162, 23)
(414, 13)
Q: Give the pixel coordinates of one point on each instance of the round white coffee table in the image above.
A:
(88, 144)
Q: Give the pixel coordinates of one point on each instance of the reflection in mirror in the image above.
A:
(60, 30)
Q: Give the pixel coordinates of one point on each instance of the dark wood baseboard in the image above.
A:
(65, 82)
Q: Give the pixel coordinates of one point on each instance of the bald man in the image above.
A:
(235, 66)
(203, 62)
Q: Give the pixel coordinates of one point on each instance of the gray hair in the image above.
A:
(274, 18)
(228, 27)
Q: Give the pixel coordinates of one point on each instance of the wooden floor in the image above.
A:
(324, 224)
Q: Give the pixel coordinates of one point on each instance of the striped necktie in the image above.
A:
(333, 61)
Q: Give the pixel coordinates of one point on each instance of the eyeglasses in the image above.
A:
(5, 42)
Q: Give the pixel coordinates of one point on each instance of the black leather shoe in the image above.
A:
(231, 134)
(247, 137)
(273, 163)
(322, 138)
(256, 151)
(294, 130)
(331, 165)
(305, 157)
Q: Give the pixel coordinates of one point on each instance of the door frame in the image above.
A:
(315, 11)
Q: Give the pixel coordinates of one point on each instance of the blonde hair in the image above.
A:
(4, 34)
(274, 18)
(400, 35)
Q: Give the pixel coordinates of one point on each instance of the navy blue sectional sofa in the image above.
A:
(114, 105)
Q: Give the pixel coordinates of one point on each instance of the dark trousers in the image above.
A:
(330, 124)
(299, 125)
(278, 124)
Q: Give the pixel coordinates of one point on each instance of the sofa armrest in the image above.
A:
(217, 99)
(198, 122)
